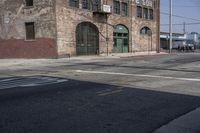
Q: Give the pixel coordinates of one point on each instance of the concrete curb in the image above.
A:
(150, 55)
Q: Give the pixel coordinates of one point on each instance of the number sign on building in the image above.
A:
(148, 3)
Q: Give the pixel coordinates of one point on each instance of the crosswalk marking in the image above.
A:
(29, 81)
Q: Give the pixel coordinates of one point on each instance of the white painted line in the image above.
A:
(103, 91)
(138, 75)
(44, 83)
(9, 79)
(109, 93)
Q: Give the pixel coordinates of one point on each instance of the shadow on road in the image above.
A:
(86, 107)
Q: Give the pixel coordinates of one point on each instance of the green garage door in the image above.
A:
(87, 39)
(120, 37)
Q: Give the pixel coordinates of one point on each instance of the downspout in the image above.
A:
(56, 34)
(107, 33)
(158, 26)
(131, 26)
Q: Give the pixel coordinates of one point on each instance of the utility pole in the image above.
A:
(184, 31)
(170, 26)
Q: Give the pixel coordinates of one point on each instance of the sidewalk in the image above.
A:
(136, 54)
(188, 123)
(23, 61)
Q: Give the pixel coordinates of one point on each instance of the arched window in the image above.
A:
(87, 39)
(145, 31)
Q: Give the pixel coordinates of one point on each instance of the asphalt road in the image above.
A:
(127, 95)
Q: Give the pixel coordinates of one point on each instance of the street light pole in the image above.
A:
(170, 26)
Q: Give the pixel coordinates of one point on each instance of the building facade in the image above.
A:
(58, 28)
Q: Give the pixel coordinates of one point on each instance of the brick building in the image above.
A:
(56, 28)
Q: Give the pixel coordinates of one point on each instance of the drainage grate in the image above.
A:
(29, 81)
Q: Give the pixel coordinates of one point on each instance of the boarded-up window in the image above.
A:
(29, 2)
(30, 32)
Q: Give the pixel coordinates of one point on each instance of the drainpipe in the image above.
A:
(158, 26)
(131, 26)
(107, 34)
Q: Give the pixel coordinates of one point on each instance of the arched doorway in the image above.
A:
(120, 37)
(87, 39)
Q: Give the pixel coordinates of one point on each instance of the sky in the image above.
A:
(185, 11)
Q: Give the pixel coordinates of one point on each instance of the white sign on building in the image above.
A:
(148, 3)
(106, 8)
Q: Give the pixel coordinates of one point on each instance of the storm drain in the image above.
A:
(29, 81)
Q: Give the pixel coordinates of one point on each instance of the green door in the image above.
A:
(119, 45)
(120, 37)
(87, 39)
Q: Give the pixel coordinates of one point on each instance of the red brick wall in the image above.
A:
(18, 48)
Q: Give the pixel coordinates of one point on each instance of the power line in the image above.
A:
(179, 16)
(184, 6)
(181, 24)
